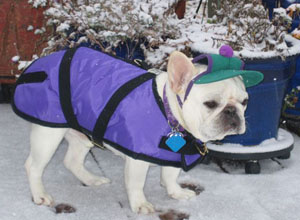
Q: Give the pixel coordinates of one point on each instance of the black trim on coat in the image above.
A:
(36, 120)
(138, 156)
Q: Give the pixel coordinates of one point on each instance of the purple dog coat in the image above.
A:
(104, 97)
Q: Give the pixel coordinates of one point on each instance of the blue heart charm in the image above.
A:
(175, 141)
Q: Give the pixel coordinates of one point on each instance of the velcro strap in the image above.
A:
(191, 147)
(32, 77)
(112, 104)
(65, 89)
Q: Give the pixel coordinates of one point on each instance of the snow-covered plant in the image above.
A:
(153, 25)
(244, 25)
(248, 26)
(111, 23)
(294, 10)
(38, 3)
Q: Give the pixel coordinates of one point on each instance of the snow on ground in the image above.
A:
(272, 195)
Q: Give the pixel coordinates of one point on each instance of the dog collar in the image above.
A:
(220, 67)
(174, 124)
(190, 144)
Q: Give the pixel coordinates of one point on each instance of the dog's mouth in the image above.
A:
(232, 122)
(224, 128)
(234, 127)
(234, 131)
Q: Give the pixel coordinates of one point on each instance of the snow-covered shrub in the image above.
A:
(38, 3)
(153, 25)
(294, 10)
(245, 25)
(111, 23)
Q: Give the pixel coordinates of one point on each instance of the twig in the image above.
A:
(278, 162)
(220, 165)
(97, 162)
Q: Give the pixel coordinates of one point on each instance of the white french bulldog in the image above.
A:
(211, 112)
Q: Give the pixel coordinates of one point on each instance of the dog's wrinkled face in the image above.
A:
(215, 110)
(211, 111)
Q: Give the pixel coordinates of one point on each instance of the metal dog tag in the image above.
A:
(175, 141)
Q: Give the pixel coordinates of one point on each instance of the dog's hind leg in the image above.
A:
(44, 142)
(79, 146)
(169, 180)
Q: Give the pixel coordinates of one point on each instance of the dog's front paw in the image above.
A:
(43, 199)
(182, 194)
(143, 208)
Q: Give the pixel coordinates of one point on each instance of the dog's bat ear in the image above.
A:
(180, 71)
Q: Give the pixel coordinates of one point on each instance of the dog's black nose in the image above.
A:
(230, 117)
(229, 110)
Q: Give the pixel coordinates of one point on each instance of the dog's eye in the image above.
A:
(245, 102)
(211, 104)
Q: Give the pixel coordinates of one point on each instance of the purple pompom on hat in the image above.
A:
(226, 51)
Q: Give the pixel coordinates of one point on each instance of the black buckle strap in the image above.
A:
(32, 77)
(107, 112)
(191, 147)
(65, 89)
(112, 104)
(142, 64)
